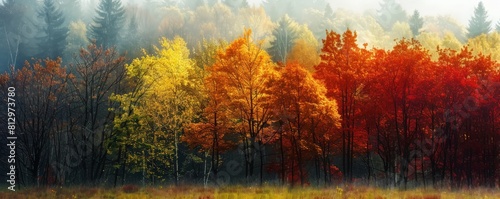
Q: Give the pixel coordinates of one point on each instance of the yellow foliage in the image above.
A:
(153, 114)
(486, 44)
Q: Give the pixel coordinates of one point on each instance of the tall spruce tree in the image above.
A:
(479, 23)
(416, 22)
(107, 24)
(53, 40)
(498, 26)
(284, 37)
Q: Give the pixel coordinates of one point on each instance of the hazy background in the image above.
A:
(461, 10)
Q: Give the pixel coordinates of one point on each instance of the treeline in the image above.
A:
(59, 28)
(250, 110)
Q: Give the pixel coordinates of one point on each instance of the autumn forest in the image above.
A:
(217, 93)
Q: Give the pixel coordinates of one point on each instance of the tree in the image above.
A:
(305, 54)
(479, 23)
(41, 96)
(403, 111)
(299, 103)
(54, 33)
(152, 116)
(430, 41)
(401, 30)
(451, 42)
(211, 134)
(284, 38)
(172, 21)
(498, 26)
(215, 22)
(98, 74)
(256, 19)
(389, 13)
(243, 69)
(486, 44)
(416, 22)
(342, 70)
(440, 25)
(107, 24)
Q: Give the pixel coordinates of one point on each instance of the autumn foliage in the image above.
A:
(396, 117)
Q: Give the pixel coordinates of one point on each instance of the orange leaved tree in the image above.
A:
(241, 71)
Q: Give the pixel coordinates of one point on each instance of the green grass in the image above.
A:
(238, 192)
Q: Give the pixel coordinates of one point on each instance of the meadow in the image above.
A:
(267, 192)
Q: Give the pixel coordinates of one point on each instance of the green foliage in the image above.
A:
(53, 40)
(107, 24)
(284, 37)
(416, 22)
(479, 23)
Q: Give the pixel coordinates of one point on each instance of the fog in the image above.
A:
(461, 10)
(168, 18)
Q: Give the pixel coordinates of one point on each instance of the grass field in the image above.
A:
(132, 192)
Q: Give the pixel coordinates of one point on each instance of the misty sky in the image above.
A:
(461, 10)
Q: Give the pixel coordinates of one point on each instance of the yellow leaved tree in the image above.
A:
(153, 114)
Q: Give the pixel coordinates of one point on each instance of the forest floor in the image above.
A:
(237, 192)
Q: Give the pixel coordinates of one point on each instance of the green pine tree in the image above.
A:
(107, 25)
(498, 26)
(53, 40)
(479, 23)
(416, 22)
(285, 35)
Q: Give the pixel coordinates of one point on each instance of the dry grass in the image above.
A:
(133, 192)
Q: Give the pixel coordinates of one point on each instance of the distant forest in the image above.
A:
(220, 92)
